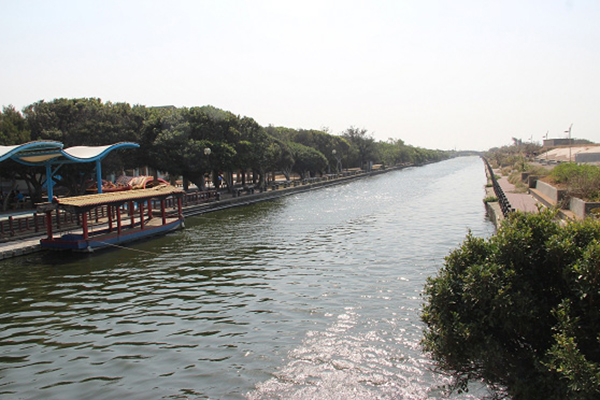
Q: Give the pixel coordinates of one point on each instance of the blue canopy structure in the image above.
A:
(52, 155)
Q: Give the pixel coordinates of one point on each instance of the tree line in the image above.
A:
(189, 142)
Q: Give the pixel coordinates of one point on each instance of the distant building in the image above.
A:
(169, 107)
(579, 154)
(590, 155)
(565, 142)
(558, 142)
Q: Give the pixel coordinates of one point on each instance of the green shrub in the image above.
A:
(520, 310)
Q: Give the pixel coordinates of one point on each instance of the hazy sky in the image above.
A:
(436, 74)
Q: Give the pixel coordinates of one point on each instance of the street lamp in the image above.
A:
(339, 161)
(569, 132)
(544, 146)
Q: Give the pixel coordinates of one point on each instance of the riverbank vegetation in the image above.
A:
(580, 180)
(514, 160)
(176, 141)
(521, 310)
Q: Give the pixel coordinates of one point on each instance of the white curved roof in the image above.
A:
(42, 152)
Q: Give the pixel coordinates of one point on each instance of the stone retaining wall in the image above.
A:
(582, 208)
(557, 196)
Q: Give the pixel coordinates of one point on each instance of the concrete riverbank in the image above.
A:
(29, 242)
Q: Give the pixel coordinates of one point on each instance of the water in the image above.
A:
(316, 295)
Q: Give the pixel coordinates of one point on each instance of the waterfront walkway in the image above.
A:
(530, 202)
(519, 201)
(20, 247)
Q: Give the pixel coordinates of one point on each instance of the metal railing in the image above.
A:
(502, 199)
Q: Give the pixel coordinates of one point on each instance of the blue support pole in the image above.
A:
(49, 182)
(99, 175)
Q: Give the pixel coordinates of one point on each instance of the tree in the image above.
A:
(249, 146)
(521, 310)
(324, 143)
(13, 127)
(173, 140)
(361, 146)
(307, 160)
(394, 152)
(85, 122)
(149, 126)
(177, 152)
(14, 130)
(81, 122)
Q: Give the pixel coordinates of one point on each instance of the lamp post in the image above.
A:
(207, 152)
(569, 132)
(546, 138)
(339, 161)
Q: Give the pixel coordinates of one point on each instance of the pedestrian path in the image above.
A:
(20, 247)
(519, 201)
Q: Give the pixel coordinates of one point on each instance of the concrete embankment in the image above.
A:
(493, 207)
(26, 244)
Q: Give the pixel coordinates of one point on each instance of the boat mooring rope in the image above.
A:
(129, 248)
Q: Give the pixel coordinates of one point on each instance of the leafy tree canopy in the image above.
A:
(362, 146)
(174, 140)
(13, 127)
(307, 159)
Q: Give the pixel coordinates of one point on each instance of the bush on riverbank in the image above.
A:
(521, 310)
(490, 199)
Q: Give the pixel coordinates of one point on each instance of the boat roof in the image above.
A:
(138, 195)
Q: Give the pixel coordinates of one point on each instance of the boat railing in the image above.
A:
(22, 226)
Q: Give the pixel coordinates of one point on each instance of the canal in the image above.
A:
(315, 295)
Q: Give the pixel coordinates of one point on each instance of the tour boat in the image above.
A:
(111, 219)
